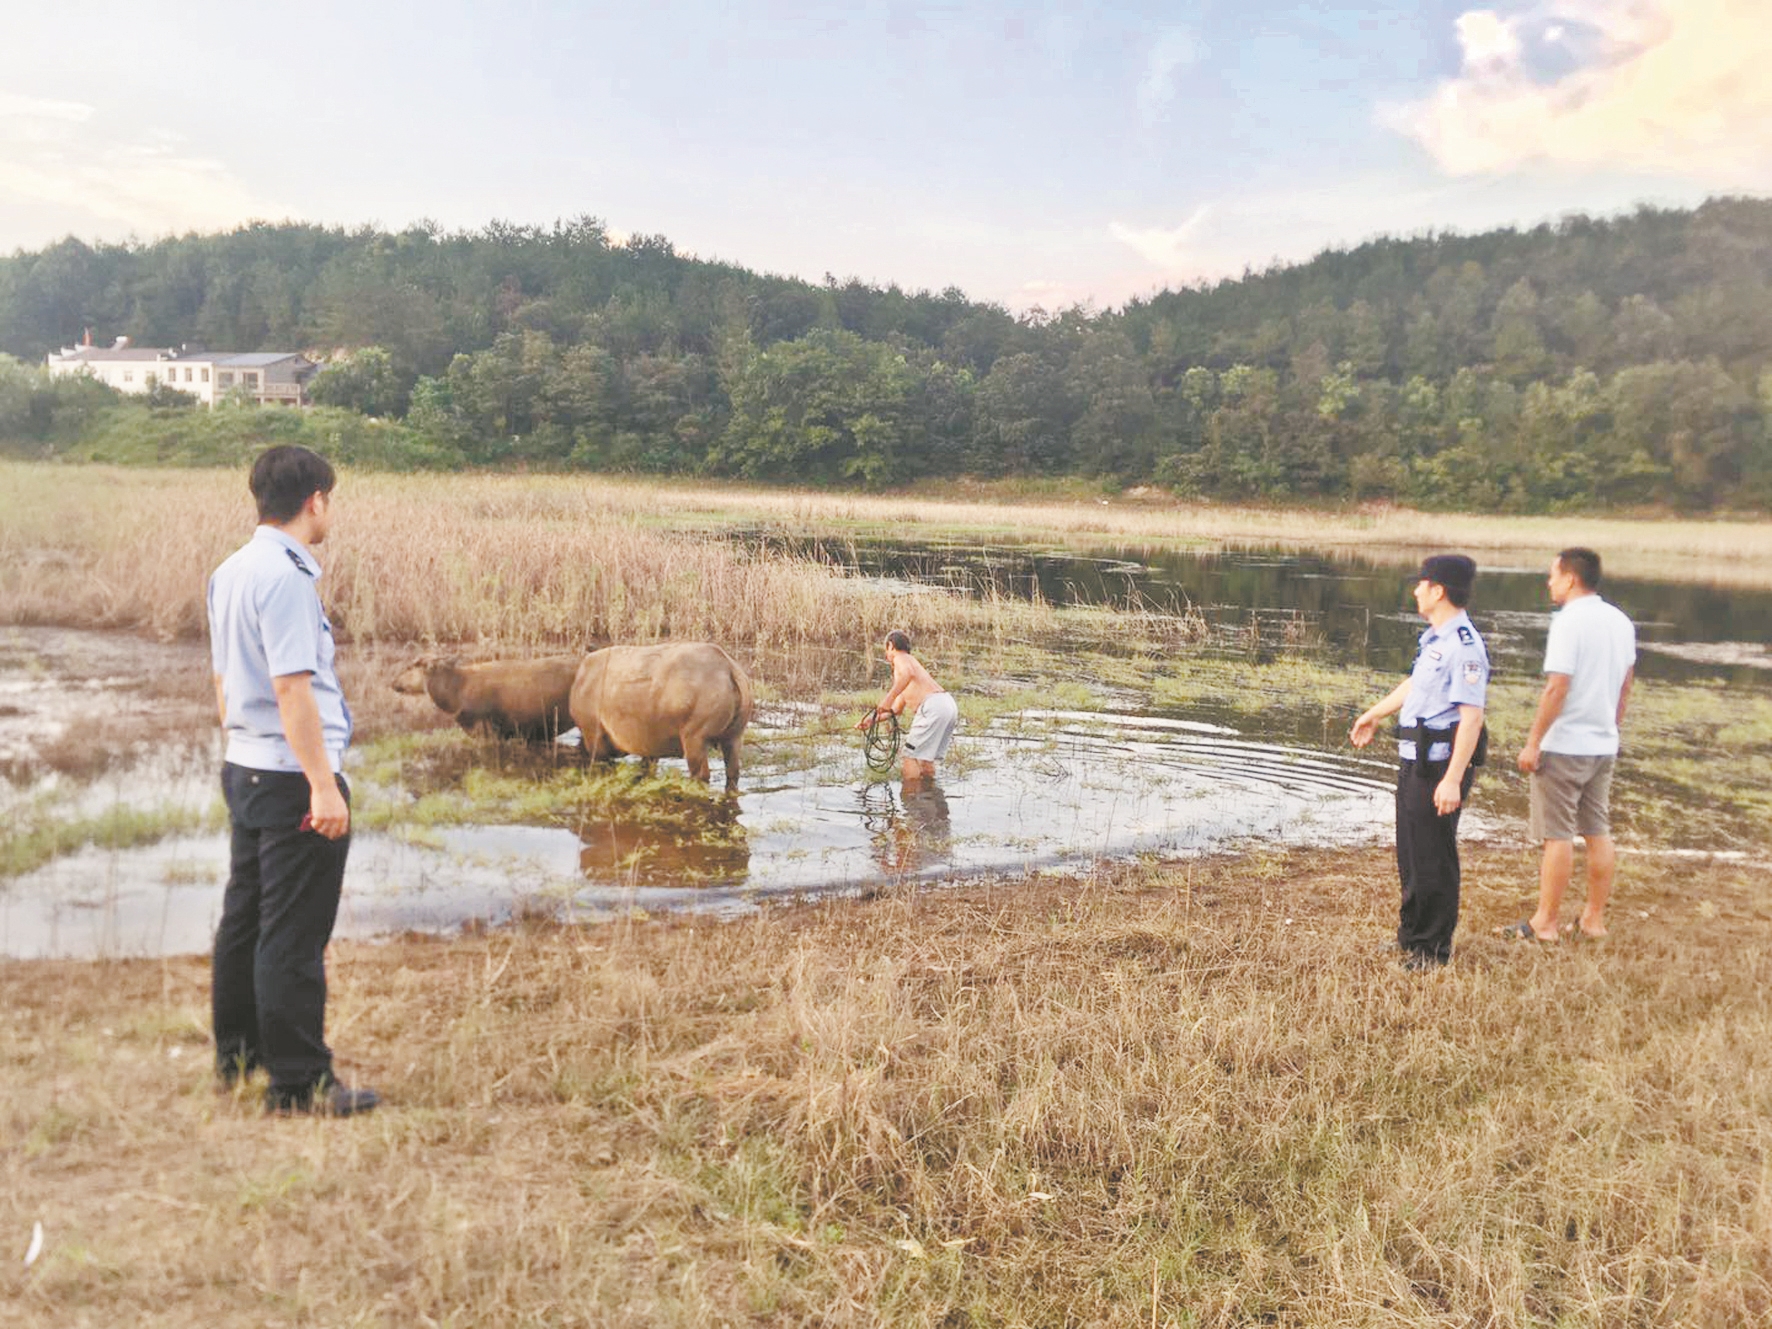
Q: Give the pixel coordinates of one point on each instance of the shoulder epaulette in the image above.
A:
(299, 562)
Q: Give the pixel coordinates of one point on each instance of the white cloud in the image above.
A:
(1174, 50)
(1052, 296)
(1668, 87)
(60, 159)
(1172, 250)
(1488, 40)
(14, 107)
(1226, 235)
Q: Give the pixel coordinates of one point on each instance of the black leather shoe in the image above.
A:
(327, 1100)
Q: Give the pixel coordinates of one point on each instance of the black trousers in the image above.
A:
(1427, 861)
(268, 989)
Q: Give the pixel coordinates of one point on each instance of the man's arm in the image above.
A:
(1630, 676)
(221, 701)
(1449, 793)
(901, 679)
(300, 714)
(1367, 725)
(1550, 706)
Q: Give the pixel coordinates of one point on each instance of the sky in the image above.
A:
(1029, 154)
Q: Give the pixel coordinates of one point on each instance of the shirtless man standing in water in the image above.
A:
(914, 692)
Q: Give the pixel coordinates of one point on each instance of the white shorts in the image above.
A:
(933, 729)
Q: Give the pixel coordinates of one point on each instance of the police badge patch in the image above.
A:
(1473, 672)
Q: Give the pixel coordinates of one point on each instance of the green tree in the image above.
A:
(1116, 429)
(824, 408)
(1023, 420)
(1519, 353)
(364, 381)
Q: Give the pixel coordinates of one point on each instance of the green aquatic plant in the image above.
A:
(36, 835)
(449, 778)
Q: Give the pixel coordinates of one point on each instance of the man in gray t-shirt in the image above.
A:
(1589, 664)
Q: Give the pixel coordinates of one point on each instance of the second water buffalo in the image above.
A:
(523, 698)
(675, 700)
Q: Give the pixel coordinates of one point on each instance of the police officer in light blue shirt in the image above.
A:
(1441, 742)
(268, 623)
(289, 810)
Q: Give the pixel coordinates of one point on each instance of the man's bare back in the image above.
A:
(912, 686)
(910, 683)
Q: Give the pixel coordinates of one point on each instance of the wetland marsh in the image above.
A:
(1184, 1084)
(1116, 701)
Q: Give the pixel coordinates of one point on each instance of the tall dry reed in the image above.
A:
(488, 562)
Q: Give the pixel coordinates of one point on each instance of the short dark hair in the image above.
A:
(899, 640)
(1452, 573)
(285, 477)
(1583, 565)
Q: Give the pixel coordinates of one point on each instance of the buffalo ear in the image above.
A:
(443, 680)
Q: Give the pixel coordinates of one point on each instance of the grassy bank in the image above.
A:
(1192, 1096)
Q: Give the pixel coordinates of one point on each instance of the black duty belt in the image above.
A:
(1424, 739)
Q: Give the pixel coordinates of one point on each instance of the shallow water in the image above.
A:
(1043, 788)
(1354, 611)
(85, 719)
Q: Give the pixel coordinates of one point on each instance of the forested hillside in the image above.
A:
(1622, 362)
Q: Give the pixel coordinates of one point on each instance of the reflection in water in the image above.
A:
(1033, 789)
(714, 850)
(915, 834)
(1265, 603)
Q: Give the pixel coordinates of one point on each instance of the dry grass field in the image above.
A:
(1183, 1095)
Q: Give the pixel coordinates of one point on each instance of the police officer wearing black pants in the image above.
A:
(1441, 742)
(269, 977)
(287, 728)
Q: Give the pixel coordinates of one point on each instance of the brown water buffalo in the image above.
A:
(522, 698)
(663, 701)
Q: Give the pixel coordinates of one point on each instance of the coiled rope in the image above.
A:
(879, 742)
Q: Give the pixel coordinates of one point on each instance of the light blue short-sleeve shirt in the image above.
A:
(1451, 670)
(265, 622)
(1593, 643)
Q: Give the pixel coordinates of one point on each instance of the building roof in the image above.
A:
(245, 359)
(156, 354)
(148, 353)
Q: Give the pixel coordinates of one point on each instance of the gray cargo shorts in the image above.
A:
(1571, 796)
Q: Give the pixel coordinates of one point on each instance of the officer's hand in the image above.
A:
(1447, 797)
(328, 813)
(1529, 757)
(1361, 734)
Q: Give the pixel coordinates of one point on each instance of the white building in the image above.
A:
(270, 378)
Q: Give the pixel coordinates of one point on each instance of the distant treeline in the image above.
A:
(1620, 362)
